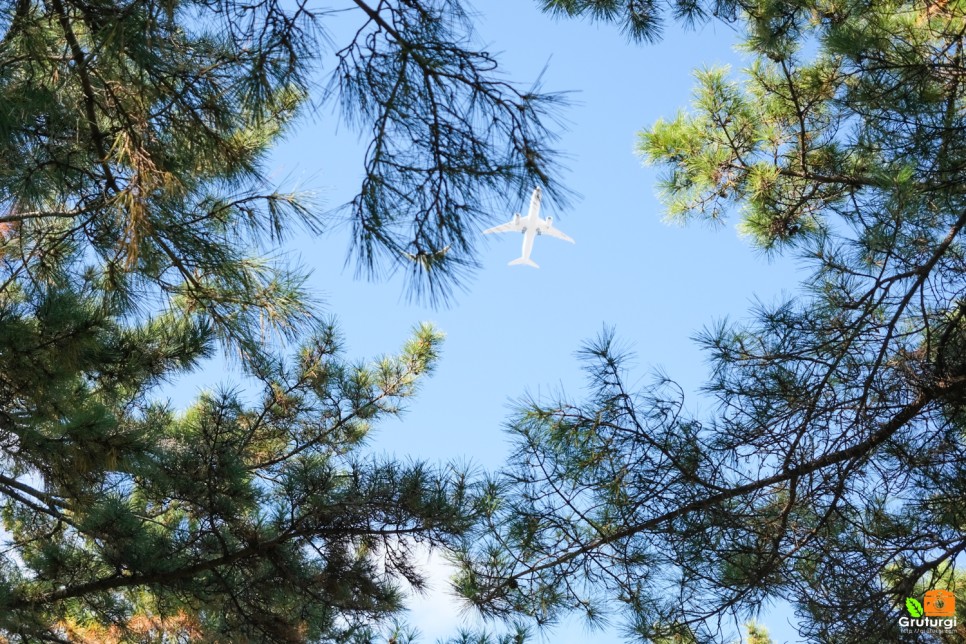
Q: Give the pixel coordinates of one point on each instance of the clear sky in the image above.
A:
(516, 329)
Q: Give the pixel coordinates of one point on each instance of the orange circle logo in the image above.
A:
(939, 603)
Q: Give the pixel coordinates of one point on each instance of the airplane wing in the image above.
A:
(553, 232)
(509, 227)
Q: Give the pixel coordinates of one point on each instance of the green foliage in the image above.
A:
(757, 634)
(146, 513)
(136, 226)
(447, 136)
(827, 470)
(519, 635)
(139, 144)
(641, 21)
(743, 144)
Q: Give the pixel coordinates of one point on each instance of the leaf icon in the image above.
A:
(914, 607)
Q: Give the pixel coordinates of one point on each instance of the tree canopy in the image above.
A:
(829, 472)
(136, 236)
(136, 232)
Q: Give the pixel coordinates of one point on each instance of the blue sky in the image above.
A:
(517, 329)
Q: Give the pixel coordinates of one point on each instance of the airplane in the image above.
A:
(530, 226)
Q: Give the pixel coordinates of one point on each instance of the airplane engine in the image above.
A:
(516, 218)
(549, 221)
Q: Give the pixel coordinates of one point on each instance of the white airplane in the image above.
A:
(530, 226)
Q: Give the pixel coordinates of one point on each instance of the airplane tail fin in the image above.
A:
(524, 260)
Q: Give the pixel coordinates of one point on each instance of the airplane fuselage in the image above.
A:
(531, 227)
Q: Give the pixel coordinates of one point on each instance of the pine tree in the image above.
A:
(830, 470)
(136, 230)
(757, 634)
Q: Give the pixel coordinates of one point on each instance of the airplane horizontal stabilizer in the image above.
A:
(524, 260)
